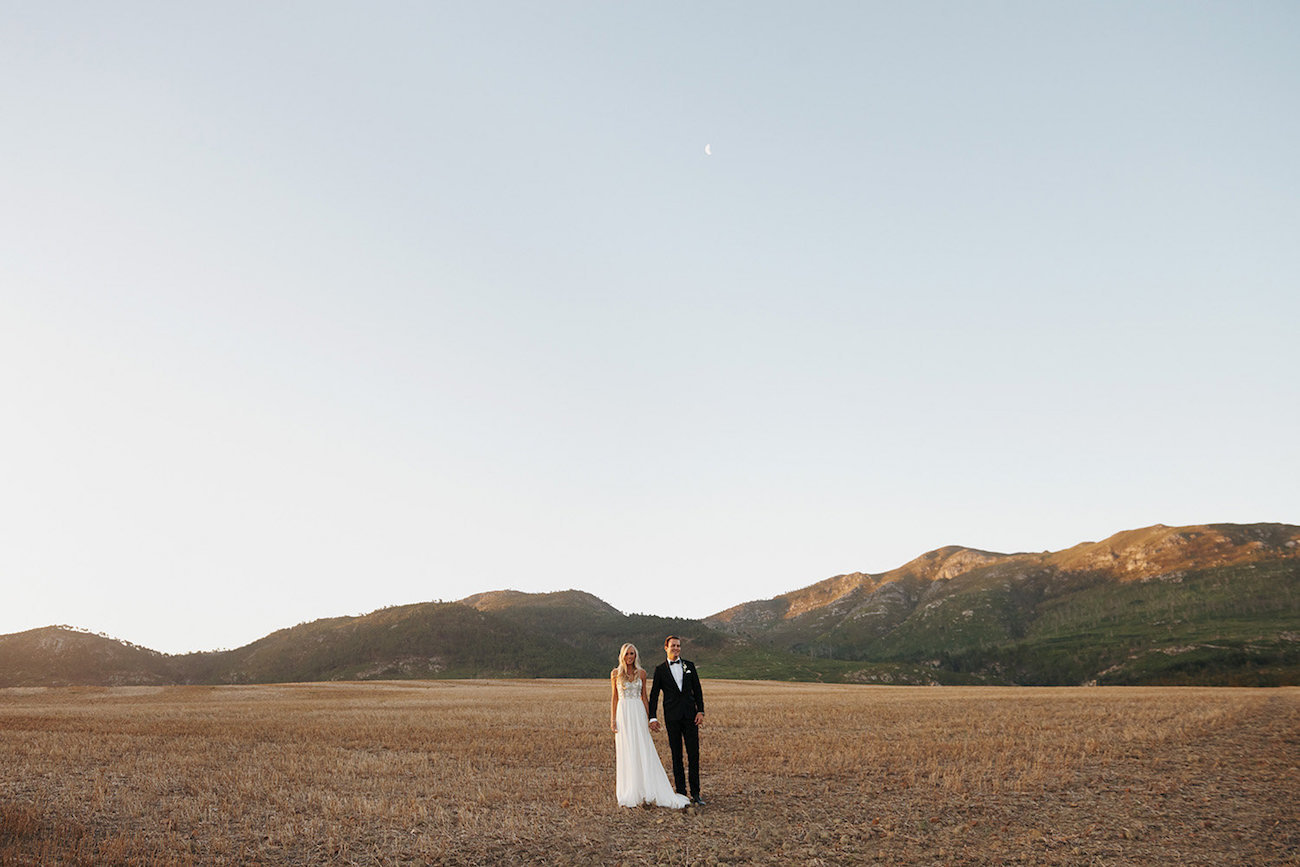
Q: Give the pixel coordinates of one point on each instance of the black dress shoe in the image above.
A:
(699, 802)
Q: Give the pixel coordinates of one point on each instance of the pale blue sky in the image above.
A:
(313, 308)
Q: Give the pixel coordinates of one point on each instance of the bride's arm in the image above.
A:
(645, 692)
(613, 704)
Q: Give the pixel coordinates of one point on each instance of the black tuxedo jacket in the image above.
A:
(679, 704)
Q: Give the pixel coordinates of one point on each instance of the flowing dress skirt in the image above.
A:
(640, 777)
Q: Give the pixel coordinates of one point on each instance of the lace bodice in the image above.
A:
(629, 690)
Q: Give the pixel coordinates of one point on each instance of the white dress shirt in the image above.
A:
(677, 668)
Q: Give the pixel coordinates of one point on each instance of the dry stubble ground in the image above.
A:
(483, 771)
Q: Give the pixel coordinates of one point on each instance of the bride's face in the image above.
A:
(629, 658)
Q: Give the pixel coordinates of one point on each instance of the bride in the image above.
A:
(640, 777)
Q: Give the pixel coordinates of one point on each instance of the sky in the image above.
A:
(308, 309)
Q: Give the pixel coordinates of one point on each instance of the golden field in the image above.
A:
(470, 772)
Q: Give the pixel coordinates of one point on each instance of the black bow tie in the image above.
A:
(675, 662)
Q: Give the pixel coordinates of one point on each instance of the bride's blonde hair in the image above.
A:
(623, 671)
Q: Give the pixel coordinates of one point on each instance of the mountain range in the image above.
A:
(1214, 604)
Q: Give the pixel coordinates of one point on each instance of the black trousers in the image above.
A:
(685, 732)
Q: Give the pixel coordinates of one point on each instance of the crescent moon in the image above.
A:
(708, 150)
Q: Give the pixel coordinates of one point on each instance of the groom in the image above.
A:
(683, 713)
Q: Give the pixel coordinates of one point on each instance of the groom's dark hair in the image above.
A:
(670, 638)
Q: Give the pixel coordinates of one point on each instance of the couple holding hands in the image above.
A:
(633, 714)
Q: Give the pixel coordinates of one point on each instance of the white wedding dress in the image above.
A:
(640, 777)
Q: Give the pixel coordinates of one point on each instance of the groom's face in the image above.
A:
(674, 649)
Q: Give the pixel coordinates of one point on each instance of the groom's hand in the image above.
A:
(654, 725)
(699, 720)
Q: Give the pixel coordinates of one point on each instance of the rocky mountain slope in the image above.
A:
(1162, 604)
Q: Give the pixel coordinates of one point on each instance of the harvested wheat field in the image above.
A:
(470, 772)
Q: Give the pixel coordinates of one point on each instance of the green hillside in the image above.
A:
(1022, 623)
(425, 640)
